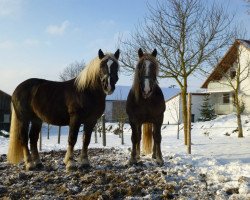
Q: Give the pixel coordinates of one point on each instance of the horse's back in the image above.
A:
(22, 95)
(40, 98)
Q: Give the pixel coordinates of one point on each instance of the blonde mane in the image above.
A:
(89, 75)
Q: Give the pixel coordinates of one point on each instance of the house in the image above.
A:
(116, 103)
(173, 113)
(5, 101)
(218, 82)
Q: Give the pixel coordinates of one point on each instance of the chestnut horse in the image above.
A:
(145, 106)
(74, 102)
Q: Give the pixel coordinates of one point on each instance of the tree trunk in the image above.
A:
(122, 134)
(240, 133)
(238, 114)
(189, 111)
(238, 103)
(184, 111)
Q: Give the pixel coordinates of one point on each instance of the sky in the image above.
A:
(38, 39)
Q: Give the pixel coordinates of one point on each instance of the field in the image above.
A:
(218, 168)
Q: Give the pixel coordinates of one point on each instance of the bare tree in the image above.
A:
(187, 34)
(237, 74)
(72, 70)
(248, 6)
(119, 113)
(174, 109)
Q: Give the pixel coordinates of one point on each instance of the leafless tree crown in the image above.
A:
(72, 70)
(187, 35)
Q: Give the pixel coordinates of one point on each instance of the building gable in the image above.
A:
(226, 62)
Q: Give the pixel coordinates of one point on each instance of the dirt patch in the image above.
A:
(108, 178)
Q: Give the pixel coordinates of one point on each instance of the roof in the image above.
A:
(121, 93)
(4, 93)
(226, 61)
(192, 93)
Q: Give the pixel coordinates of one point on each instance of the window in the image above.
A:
(226, 98)
(6, 118)
(232, 74)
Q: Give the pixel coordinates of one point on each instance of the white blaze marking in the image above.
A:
(109, 63)
(146, 83)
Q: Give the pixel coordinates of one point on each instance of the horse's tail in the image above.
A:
(15, 152)
(147, 138)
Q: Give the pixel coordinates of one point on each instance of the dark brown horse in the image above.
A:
(74, 102)
(145, 104)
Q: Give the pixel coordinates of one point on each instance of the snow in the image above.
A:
(217, 153)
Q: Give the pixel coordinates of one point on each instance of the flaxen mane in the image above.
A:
(89, 75)
(136, 83)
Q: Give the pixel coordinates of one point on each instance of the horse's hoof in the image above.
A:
(30, 166)
(83, 163)
(159, 162)
(132, 162)
(70, 166)
(153, 156)
(84, 166)
(39, 166)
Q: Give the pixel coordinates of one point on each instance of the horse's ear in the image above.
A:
(140, 53)
(117, 54)
(100, 54)
(154, 53)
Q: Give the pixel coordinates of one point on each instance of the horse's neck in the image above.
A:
(97, 91)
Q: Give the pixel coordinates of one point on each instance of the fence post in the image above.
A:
(48, 132)
(103, 131)
(40, 141)
(122, 134)
(96, 134)
(189, 111)
(59, 134)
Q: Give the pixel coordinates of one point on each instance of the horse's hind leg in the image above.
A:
(24, 127)
(35, 129)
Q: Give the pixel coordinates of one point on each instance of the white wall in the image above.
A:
(219, 107)
(197, 101)
(108, 110)
(173, 111)
(222, 85)
(245, 85)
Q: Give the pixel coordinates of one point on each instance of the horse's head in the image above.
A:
(147, 72)
(109, 70)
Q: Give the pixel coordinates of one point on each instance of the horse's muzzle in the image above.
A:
(146, 95)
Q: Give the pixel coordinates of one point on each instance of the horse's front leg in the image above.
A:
(135, 138)
(73, 133)
(88, 128)
(157, 144)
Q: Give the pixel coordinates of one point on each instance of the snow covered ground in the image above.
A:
(217, 153)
